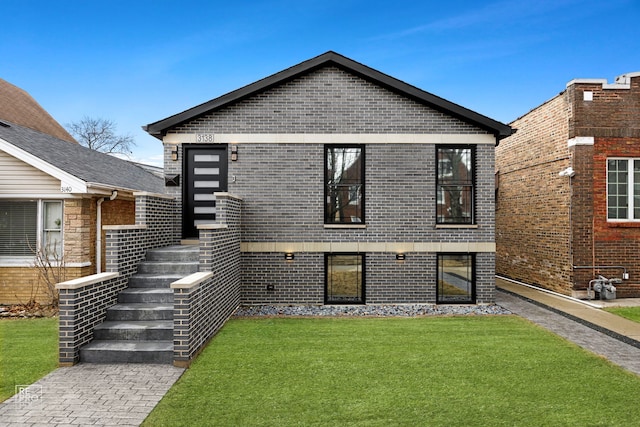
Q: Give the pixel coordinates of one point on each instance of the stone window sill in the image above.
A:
(345, 226)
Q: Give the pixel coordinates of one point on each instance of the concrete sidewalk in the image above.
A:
(91, 394)
(591, 328)
(587, 312)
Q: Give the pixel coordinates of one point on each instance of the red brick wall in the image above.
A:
(616, 243)
(612, 113)
(582, 214)
(533, 215)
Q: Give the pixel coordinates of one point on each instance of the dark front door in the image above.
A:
(205, 174)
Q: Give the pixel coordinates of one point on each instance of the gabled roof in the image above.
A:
(500, 130)
(19, 107)
(88, 168)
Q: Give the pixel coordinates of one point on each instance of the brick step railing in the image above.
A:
(139, 328)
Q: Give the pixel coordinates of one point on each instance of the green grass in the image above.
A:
(631, 313)
(454, 371)
(28, 351)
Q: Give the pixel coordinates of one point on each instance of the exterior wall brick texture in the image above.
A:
(201, 311)
(328, 100)
(282, 184)
(544, 227)
(80, 310)
(533, 215)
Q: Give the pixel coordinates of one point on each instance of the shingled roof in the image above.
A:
(17, 106)
(90, 166)
(500, 130)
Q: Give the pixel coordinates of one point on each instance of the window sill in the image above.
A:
(471, 226)
(624, 224)
(343, 226)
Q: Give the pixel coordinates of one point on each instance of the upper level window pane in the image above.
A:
(623, 189)
(455, 185)
(344, 184)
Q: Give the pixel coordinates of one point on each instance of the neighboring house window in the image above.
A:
(623, 189)
(455, 185)
(27, 226)
(344, 281)
(456, 279)
(344, 184)
(52, 229)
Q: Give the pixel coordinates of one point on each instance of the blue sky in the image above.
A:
(137, 62)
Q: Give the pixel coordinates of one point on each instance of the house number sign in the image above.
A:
(204, 137)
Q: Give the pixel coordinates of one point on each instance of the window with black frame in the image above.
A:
(344, 280)
(344, 184)
(455, 185)
(456, 279)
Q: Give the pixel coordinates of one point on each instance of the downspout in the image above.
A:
(114, 194)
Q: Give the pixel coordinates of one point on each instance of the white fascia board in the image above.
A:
(68, 182)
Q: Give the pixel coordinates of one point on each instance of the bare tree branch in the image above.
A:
(100, 134)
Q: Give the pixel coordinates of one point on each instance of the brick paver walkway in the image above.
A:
(624, 355)
(91, 395)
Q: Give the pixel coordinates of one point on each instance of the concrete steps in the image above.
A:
(127, 351)
(111, 330)
(139, 328)
(149, 295)
(143, 311)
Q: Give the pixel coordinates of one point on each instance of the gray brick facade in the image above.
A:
(328, 100)
(281, 180)
(201, 308)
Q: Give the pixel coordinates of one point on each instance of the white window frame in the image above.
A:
(27, 261)
(630, 182)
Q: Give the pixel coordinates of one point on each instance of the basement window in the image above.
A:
(456, 279)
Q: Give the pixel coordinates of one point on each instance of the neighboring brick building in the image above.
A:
(337, 166)
(54, 196)
(554, 224)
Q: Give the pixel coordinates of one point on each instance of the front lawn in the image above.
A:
(436, 371)
(28, 351)
(631, 313)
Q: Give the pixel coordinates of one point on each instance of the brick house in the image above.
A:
(340, 169)
(54, 196)
(567, 198)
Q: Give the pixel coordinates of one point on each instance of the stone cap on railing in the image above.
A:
(192, 280)
(212, 226)
(81, 282)
(125, 227)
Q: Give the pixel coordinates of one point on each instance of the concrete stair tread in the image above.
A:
(176, 262)
(147, 291)
(124, 345)
(135, 324)
(173, 276)
(141, 306)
